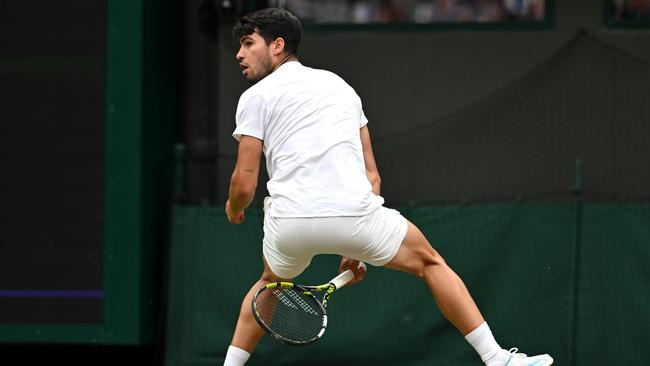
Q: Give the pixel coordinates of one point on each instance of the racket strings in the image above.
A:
(290, 313)
(293, 295)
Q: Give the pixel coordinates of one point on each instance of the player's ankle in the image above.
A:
(483, 342)
(236, 357)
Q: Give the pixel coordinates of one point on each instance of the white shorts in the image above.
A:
(291, 243)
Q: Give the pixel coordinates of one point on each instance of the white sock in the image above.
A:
(483, 342)
(236, 357)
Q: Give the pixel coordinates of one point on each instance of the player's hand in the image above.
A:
(359, 269)
(234, 217)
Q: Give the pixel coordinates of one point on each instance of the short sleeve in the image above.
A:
(363, 121)
(250, 118)
(362, 116)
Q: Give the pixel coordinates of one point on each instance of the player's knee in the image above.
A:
(431, 260)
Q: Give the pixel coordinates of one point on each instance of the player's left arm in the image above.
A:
(243, 181)
(369, 160)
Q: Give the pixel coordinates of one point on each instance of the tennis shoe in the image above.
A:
(514, 358)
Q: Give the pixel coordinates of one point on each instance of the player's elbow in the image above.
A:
(375, 181)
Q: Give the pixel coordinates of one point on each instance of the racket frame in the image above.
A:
(336, 283)
(306, 290)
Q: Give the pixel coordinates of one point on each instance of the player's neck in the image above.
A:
(286, 59)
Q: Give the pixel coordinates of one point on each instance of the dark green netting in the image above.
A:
(613, 317)
(518, 260)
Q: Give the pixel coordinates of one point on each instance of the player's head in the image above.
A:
(266, 37)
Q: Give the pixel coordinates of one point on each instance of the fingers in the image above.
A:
(358, 268)
(360, 271)
(235, 218)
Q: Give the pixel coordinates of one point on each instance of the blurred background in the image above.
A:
(514, 133)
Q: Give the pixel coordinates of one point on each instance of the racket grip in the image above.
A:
(342, 279)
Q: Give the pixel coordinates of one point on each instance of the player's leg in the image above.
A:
(416, 256)
(286, 266)
(248, 332)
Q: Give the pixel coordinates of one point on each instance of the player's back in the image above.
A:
(311, 123)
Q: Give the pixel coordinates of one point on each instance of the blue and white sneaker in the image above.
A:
(514, 358)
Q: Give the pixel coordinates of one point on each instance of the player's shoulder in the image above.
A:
(327, 74)
(259, 89)
(331, 78)
(251, 91)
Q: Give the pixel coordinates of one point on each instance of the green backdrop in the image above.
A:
(570, 279)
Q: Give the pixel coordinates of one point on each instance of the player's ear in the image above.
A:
(278, 46)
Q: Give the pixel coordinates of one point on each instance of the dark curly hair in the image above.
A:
(270, 24)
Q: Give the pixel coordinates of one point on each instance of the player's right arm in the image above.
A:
(243, 181)
(369, 159)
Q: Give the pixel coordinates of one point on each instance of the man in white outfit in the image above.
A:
(324, 186)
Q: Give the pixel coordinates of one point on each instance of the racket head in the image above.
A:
(289, 313)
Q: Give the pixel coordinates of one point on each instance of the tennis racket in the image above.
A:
(291, 313)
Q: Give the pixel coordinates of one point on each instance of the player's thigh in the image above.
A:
(415, 253)
(269, 276)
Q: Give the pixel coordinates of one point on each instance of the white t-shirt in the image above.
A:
(310, 123)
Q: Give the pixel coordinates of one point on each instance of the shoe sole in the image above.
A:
(546, 363)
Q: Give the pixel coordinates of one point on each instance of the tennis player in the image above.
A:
(324, 185)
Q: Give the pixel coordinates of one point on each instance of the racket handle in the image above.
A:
(342, 279)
